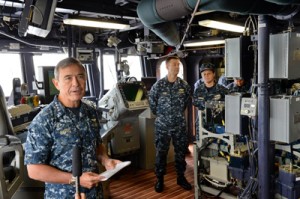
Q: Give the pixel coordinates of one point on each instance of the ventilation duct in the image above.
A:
(159, 15)
(284, 2)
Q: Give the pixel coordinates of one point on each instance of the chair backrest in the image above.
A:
(11, 154)
(6, 127)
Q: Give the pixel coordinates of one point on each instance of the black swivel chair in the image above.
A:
(11, 154)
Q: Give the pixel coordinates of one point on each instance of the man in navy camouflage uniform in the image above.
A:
(64, 123)
(239, 85)
(168, 99)
(207, 91)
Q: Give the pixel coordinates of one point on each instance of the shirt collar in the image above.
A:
(61, 109)
(166, 80)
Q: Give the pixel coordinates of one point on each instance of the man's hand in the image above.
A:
(89, 179)
(110, 163)
(103, 158)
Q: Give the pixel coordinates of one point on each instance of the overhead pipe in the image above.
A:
(159, 15)
(284, 2)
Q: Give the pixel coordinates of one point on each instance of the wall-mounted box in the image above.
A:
(239, 57)
(285, 118)
(235, 123)
(284, 56)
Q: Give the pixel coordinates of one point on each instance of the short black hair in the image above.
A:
(171, 57)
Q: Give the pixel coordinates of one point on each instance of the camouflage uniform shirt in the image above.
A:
(169, 100)
(232, 87)
(203, 94)
(51, 137)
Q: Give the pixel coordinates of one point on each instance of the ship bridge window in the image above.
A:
(109, 69)
(164, 71)
(10, 68)
(46, 59)
(135, 66)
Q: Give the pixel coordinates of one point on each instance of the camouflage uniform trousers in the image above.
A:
(162, 143)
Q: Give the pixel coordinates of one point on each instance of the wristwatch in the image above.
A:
(72, 181)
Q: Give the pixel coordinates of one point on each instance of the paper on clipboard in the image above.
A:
(107, 174)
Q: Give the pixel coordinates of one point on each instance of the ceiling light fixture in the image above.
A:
(198, 43)
(88, 22)
(221, 25)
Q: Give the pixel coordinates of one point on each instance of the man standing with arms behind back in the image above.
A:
(168, 100)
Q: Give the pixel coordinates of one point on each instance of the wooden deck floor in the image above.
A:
(139, 184)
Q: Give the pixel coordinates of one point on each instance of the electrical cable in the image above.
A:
(204, 146)
(189, 24)
(25, 42)
(252, 185)
(1, 11)
(292, 154)
(215, 182)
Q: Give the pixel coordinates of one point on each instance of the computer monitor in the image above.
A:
(125, 98)
(48, 91)
(134, 94)
(149, 81)
(37, 18)
(131, 92)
